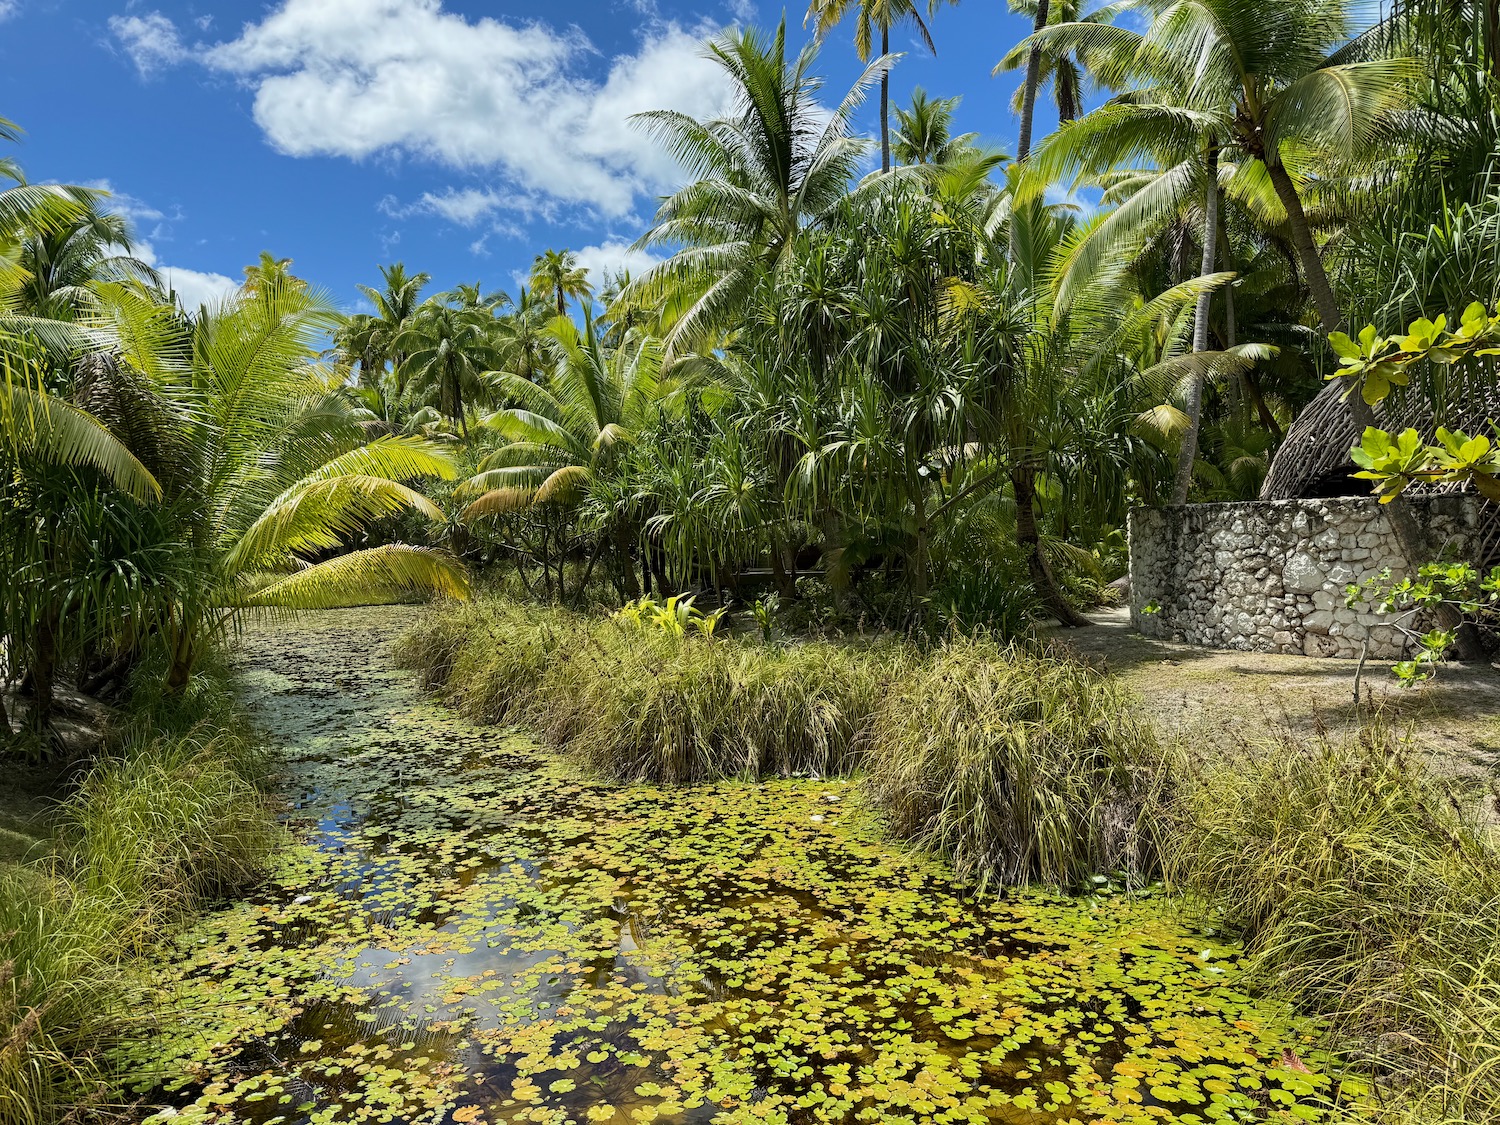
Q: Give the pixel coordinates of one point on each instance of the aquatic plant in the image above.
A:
(1368, 893)
(1015, 766)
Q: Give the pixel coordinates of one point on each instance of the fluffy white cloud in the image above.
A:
(151, 41)
(356, 78)
(610, 257)
(9, 8)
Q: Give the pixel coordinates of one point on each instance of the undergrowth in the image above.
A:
(1017, 767)
(1368, 893)
(166, 819)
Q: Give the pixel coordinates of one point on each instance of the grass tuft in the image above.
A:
(1368, 893)
(1017, 767)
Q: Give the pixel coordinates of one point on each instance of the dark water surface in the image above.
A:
(468, 931)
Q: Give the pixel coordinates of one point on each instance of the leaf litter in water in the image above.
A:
(472, 933)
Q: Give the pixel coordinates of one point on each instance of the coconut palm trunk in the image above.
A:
(1188, 454)
(885, 104)
(1033, 77)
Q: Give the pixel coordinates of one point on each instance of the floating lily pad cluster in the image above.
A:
(472, 933)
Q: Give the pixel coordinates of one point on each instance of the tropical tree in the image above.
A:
(271, 472)
(776, 162)
(1066, 71)
(871, 15)
(924, 131)
(447, 347)
(557, 272)
(563, 433)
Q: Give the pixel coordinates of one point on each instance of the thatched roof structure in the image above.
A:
(1313, 460)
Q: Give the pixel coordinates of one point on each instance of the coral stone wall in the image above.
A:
(1269, 576)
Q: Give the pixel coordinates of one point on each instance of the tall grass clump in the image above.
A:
(1368, 893)
(1017, 767)
(639, 706)
(163, 825)
(488, 658)
(167, 818)
(62, 998)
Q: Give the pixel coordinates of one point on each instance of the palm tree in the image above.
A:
(561, 434)
(447, 347)
(557, 272)
(370, 339)
(1263, 79)
(778, 161)
(522, 335)
(825, 15)
(924, 132)
(1065, 71)
(62, 261)
(273, 469)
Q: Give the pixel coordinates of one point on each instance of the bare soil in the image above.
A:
(1224, 698)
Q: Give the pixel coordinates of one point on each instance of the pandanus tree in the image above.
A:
(777, 161)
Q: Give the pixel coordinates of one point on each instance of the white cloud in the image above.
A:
(466, 207)
(193, 287)
(151, 41)
(9, 8)
(358, 78)
(610, 257)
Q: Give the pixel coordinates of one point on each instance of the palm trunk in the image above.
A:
(885, 104)
(1028, 538)
(1033, 73)
(1307, 253)
(1188, 454)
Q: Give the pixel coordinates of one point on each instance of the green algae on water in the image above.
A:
(471, 932)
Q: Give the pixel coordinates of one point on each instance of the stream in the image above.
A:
(468, 930)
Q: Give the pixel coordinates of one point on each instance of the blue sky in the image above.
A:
(460, 137)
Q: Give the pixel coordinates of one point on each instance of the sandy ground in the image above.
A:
(1232, 697)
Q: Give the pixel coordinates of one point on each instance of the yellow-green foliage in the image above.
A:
(661, 707)
(161, 826)
(1018, 767)
(1368, 893)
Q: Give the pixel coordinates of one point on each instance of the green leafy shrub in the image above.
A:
(1015, 766)
(1367, 893)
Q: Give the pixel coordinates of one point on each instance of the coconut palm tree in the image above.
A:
(1066, 72)
(1263, 80)
(562, 434)
(273, 471)
(557, 272)
(776, 162)
(446, 348)
(924, 131)
(870, 15)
